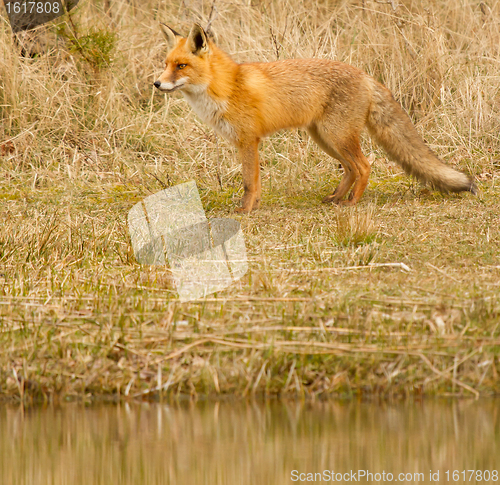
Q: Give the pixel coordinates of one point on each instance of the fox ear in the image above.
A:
(170, 34)
(197, 40)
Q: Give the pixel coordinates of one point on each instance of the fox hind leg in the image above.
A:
(356, 166)
(350, 172)
(353, 153)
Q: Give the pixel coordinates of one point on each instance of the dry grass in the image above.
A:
(323, 309)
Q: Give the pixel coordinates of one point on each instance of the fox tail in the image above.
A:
(393, 130)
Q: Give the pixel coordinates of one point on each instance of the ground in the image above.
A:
(397, 296)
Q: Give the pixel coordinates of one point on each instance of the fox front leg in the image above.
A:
(250, 169)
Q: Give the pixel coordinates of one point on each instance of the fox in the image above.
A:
(334, 102)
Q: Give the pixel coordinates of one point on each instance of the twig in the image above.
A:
(392, 3)
(456, 364)
(175, 354)
(252, 298)
(159, 387)
(211, 17)
(219, 178)
(262, 369)
(275, 43)
(305, 347)
(444, 376)
(349, 268)
(442, 272)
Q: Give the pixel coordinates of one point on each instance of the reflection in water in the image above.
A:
(243, 443)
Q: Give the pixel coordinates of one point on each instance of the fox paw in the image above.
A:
(247, 206)
(331, 199)
(242, 210)
(347, 203)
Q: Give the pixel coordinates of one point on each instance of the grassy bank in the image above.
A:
(326, 308)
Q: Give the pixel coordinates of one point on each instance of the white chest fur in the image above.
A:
(210, 111)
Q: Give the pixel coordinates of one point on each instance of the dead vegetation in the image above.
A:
(398, 296)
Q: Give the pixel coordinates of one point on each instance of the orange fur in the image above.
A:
(332, 100)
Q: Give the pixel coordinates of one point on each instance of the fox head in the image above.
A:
(186, 66)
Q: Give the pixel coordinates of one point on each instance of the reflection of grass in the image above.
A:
(315, 314)
(264, 439)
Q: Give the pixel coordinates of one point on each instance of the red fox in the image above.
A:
(333, 101)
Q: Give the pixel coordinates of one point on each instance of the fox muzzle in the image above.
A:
(167, 87)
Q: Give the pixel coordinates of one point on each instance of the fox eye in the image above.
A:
(181, 66)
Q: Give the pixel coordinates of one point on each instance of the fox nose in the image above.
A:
(157, 84)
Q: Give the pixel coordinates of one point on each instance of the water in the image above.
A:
(249, 443)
